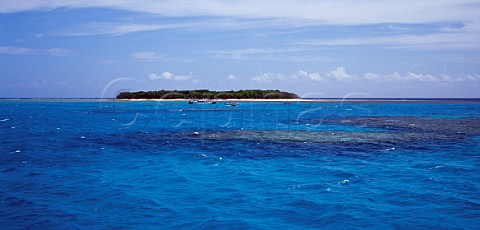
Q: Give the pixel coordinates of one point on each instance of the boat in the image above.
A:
(231, 103)
(201, 101)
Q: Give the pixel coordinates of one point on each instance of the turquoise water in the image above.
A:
(100, 164)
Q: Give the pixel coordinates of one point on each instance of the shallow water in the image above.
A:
(147, 165)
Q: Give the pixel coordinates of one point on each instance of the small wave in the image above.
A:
(389, 149)
(295, 186)
(16, 151)
(6, 119)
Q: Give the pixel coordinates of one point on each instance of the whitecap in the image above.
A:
(16, 151)
(6, 119)
(345, 181)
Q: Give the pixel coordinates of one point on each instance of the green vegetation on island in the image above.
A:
(207, 94)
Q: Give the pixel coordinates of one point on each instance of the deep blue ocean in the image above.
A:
(104, 164)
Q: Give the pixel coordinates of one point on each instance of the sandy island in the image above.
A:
(334, 100)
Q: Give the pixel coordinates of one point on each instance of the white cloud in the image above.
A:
(268, 78)
(325, 12)
(170, 76)
(147, 56)
(311, 76)
(246, 54)
(340, 74)
(153, 56)
(186, 24)
(408, 77)
(371, 76)
(167, 75)
(236, 14)
(269, 54)
(116, 29)
(17, 50)
(417, 77)
(446, 78)
(28, 51)
(231, 77)
(58, 52)
(440, 40)
(420, 77)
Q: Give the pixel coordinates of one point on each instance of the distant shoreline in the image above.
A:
(300, 100)
(338, 100)
(209, 94)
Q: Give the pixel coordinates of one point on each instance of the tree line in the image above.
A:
(208, 94)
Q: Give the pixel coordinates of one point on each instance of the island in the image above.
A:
(207, 94)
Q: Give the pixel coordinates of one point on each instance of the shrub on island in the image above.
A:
(208, 94)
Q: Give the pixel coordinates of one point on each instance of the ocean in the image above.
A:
(105, 164)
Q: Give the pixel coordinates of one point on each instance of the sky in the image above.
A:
(320, 49)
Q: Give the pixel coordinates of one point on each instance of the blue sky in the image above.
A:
(341, 48)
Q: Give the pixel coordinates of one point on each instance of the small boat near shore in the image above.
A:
(232, 103)
(201, 101)
(210, 101)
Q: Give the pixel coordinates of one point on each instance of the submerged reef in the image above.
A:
(388, 130)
